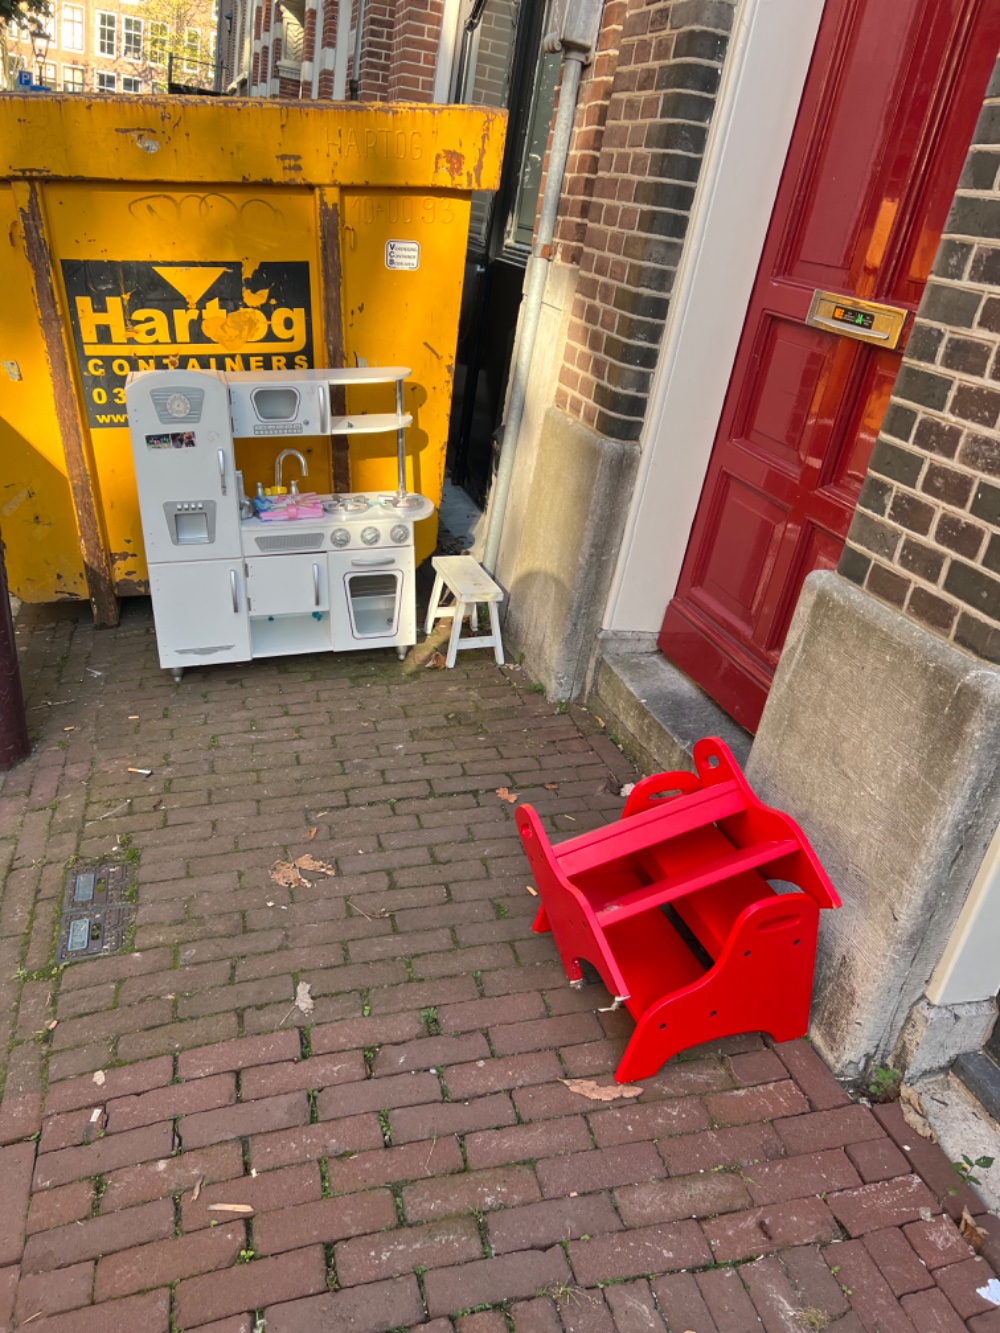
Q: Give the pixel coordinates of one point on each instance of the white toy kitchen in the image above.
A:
(284, 570)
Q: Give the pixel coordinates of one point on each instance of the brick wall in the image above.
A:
(926, 535)
(415, 40)
(626, 221)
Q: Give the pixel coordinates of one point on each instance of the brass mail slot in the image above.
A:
(867, 321)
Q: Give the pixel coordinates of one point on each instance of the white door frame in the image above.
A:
(765, 71)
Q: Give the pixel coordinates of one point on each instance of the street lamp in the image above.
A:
(40, 40)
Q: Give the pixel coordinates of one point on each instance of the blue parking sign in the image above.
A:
(24, 78)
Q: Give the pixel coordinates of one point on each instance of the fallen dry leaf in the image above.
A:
(243, 1209)
(972, 1233)
(309, 862)
(195, 1193)
(51, 1027)
(551, 786)
(287, 875)
(312, 833)
(586, 1087)
(303, 1000)
(533, 892)
(506, 794)
(99, 1077)
(913, 1113)
(437, 662)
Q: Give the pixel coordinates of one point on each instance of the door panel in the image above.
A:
(886, 118)
(200, 610)
(287, 585)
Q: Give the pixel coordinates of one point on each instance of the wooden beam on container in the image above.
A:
(79, 465)
(333, 324)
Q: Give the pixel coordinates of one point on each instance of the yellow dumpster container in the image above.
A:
(215, 233)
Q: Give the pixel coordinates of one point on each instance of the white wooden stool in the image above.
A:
(469, 584)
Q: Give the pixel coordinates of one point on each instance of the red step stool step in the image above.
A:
(673, 907)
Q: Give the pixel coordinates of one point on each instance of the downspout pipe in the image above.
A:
(538, 269)
(355, 84)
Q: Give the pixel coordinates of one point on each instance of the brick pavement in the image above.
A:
(409, 1152)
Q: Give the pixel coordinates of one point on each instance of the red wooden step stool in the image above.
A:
(729, 954)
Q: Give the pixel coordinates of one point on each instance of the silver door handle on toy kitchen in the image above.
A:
(324, 411)
(222, 470)
(234, 588)
(368, 564)
(316, 584)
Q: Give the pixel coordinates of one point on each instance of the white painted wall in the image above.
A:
(764, 74)
(970, 965)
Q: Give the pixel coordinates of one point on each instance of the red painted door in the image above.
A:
(887, 114)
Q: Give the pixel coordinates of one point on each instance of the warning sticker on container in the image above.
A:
(402, 254)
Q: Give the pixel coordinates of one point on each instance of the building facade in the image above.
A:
(117, 46)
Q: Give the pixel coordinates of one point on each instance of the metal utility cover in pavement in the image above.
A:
(96, 912)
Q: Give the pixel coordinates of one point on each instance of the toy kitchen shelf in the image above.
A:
(228, 587)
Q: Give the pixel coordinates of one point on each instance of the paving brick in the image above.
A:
(602, 1169)
(797, 1177)
(489, 1281)
(763, 1230)
(323, 1221)
(937, 1242)
(700, 1195)
(633, 1308)
(95, 971)
(660, 1249)
(378, 1095)
(435, 1245)
(131, 1185)
(16, 1164)
(270, 1191)
(241, 1323)
(126, 1081)
(755, 1067)
(70, 1129)
(285, 1278)
(386, 1165)
(375, 1308)
(932, 1312)
(431, 1052)
(811, 1074)
(166, 1261)
(484, 1191)
(80, 1241)
(828, 1129)
(537, 1316)
(149, 1313)
(649, 1120)
(536, 1226)
(356, 1033)
(53, 1208)
(180, 1099)
(177, 1036)
(136, 1145)
(329, 1138)
(870, 1295)
(486, 1321)
(543, 1034)
(727, 1299)
(231, 1122)
(416, 995)
(886, 1203)
(929, 1160)
(743, 1145)
(426, 1122)
(51, 1293)
(242, 1054)
(8, 1290)
(959, 1282)
(545, 1138)
(20, 1116)
(322, 1071)
(897, 1261)
(877, 1159)
(817, 1287)
(744, 1106)
(511, 1009)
